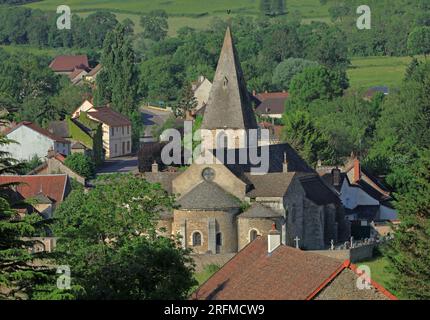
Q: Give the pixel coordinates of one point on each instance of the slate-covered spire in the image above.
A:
(229, 105)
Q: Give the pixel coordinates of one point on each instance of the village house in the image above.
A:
(270, 104)
(54, 164)
(84, 134)
(76, 67)
(201, 89)
(222, 207)
(38, 194)
(33, 140)
(268, 270)
(366, 200)
(116, 128)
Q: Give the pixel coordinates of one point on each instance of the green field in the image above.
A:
(377, 71)
(193, 13)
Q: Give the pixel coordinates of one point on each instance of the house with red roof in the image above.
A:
(32, 140)
(270, 104)
(42, 193)
(66, 64)
(115, 126)
(267, 270)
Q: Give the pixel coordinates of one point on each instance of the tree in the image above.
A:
(317, 83)
(119, 88)
(419, 41)
(81, 164)
(155, 25)
(287, 69)
(408, 253)
(108, 236)
(187, 102)
(303, 135)
(265, 6)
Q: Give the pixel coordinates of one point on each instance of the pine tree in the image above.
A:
(409, 252)
(410, 70)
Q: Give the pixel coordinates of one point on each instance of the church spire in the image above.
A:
(229, 105)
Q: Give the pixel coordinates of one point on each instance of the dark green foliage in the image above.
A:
(409, 252)
(286, 70)
(81, 164)
(186, 102)
(25, 26)
(30, 165)
(419, 41)
(301, 132)
(316, 83)
(114, 250)
(155, 25)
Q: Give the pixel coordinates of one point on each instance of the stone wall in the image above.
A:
(354, 255)
(186, 222)
(261, 225)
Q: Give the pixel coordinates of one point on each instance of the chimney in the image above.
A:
(273, 239)
(155, 167)
(335, 174)
(357, 171)
(51, 153)
(285, 163)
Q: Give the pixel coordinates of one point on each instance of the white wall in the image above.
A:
(30, 143)
(352, 197)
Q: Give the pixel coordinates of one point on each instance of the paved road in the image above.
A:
(121, 165)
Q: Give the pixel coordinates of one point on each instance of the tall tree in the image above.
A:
(419, 41)
(118, 80)
(408, 253)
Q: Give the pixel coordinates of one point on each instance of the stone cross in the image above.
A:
(331, 244)
(297, 239)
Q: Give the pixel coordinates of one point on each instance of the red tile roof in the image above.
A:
(69, 63)
(109, 116)
(54, 186)
(271, 102)
(36, 128)
(285, 274)
(271, 95)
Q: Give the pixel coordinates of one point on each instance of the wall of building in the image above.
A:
(55, 166)
(30, 143)
(261, 225)
(223, 177)
(116, 140)
(202, 93)
(187, 222)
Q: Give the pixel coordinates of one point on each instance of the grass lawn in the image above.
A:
(377, 71)
(208, 271)
(378, 270)
(193, 13)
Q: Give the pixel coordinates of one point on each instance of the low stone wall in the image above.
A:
(354, 255)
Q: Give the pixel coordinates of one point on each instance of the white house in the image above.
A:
(33, 140)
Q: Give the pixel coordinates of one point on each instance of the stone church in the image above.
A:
(223, 207)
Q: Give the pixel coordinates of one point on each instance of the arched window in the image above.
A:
(197, 239)
(219, 239)
(253, 234)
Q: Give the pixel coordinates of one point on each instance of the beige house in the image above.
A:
(201, 88)
(116, 128)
